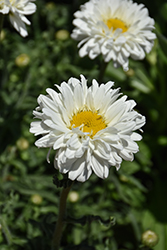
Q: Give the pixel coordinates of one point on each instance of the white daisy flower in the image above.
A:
(117, 29)
(91, 128)
(17, 9)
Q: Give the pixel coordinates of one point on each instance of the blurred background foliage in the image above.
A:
(135, 195)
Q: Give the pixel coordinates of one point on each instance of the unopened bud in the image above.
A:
(62, 35)
(152, 57)
(123, 178)
(22, 60)
(73, 196)
(50, 5)
(36, 199)
(149, 238)
(130, 72)
(2, 35)
(22, 144)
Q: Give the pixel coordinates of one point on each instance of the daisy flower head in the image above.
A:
(91, 128)
(17, 9)
(116, 29)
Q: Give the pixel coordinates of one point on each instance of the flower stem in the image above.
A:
(1, 23)
(60, 221)
(102, 71)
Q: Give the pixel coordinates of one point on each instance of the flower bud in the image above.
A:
(14, 77)
(2, 35)
(62, 35)
(123, 178)
(36, 199)
(149, 238)
(152, 57)
(22, 60)
(130, 72)
(73, 196)
(22, 144)
(50, 5)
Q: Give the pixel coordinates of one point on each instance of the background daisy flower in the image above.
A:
(17, 9)
(91, 128)
(116, 29)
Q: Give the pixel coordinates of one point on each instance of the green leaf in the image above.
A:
(163, 42)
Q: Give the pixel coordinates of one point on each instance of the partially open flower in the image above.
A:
(17, 9)
(150, 238)
(116, 29)
(91, 128)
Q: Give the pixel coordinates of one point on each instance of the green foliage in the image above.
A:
(135, 196)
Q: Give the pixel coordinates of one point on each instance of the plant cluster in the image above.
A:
(125, 211)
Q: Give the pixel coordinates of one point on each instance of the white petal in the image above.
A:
(25, 20)
(59, 142)
(28, 9)
(37, 128)
(136, 137)
(99, 167)
(47, 102)
(68, 98)
(90, 101)
(77, 168)
(45, 142)
(73, 142)
(18, 24)
(5, 10)
(78, 96)
(126, 155)
(55, 117)
(85, 174)
(54, 95)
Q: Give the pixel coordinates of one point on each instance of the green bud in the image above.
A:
(130, 72)
(123, 178)
(22, 60)
(36, 199)
(50, 5)
(22, 144)
(62, 35)
(2, 35)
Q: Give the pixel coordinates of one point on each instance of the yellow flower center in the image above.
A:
(115, 24)
(91, 122)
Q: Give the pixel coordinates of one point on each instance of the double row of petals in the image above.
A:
(96, 38)
(78, 153)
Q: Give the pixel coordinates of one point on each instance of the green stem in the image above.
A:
(1, 23)
(60, 221)
(102, 71)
